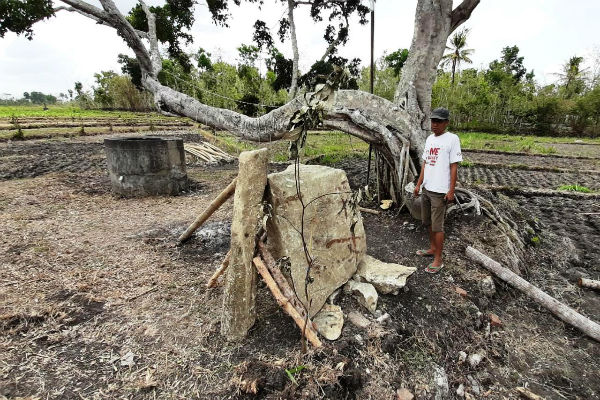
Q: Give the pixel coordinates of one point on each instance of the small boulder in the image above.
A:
(329, 321)
(487, 286)
(404, 394)
(386, 277)
(359, 320)
(475, 359)
(495, 320)
(462, 356)
(460, 392)
(365, 294)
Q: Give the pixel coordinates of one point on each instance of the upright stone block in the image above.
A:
(239, 312)
(333, 232)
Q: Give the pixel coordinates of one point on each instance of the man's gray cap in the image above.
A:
(440, 113)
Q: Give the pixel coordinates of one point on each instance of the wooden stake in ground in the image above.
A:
(564, 312)
(212, 207)
(589, 283)
(284, 302)
(212, 282)
(239, 301)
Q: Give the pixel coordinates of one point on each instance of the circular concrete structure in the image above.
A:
(146, 165)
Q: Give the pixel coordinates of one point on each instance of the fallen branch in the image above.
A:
(281, 281)
(284, 302)
(154, 289)
(528, 394)
(212, 282)
(212, 207)
(368, 210)
(589, 283)
(563, 312)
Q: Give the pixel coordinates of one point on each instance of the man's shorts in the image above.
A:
(433, 210)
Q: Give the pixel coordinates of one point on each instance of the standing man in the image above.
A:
(438, 177)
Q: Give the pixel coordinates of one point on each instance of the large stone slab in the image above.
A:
(386, 277)
(239, 300)
(333, 233)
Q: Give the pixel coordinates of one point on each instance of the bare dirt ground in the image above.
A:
(96, 302)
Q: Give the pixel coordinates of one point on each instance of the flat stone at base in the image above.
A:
(386, 277)
(358, 320)
(329, 321)
(365, 294)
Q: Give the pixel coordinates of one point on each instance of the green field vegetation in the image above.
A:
(576, 188)
(516, 143)
(329, 147)
(65, 111)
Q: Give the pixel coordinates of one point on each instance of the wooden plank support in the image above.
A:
(284, 302)
(562, 311)
(212, 207)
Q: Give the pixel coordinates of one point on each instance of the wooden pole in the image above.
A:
(562, 311)
(284, 302)
(212, 207)
(212, 282)
(589, 283)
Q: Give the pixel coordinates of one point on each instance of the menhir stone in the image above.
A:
(334, 236)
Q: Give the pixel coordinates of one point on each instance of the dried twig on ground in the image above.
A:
(562, 311)
(212, 282)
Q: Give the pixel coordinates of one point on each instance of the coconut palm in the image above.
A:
(572, 77)
(459, 53)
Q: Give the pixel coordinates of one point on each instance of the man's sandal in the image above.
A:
(424, 253)
(434, 270)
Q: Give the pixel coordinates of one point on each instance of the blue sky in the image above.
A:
(71, 48)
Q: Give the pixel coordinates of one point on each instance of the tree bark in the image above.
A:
(564, 312)
(589, 283)
(296, 55)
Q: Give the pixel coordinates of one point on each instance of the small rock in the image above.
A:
(404, 394)
(385, 317)
(460, 392)
(386, 277)
(475, 387)
(127, 359)
(329, 321)
(358, 320)
(365, 293)
(495, 320)
(475, 359)
(440, 380)
(450, 279)
(359, 340)
(487, 286)
(462, 356)
(462, 292)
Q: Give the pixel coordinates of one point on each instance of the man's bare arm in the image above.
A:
(420, 181)
(453, 174)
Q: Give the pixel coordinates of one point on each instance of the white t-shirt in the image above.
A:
(440, 151)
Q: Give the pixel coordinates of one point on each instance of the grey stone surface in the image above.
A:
(146, 165)
(358, 320)
(333, 231)
(239, 299)
(329, 321)
(386, 277)
(365, 294)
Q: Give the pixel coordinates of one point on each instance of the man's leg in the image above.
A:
(432, 242)
(438, 213)
(426, 218)
(437, 244)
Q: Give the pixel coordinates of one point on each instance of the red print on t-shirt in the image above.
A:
(433, 155)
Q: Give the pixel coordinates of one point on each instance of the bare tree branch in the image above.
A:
(295, 61)
(86, 10)
(462, 13)
(151, 35)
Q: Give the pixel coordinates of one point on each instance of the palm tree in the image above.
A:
(572, 76)
(459, 54)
